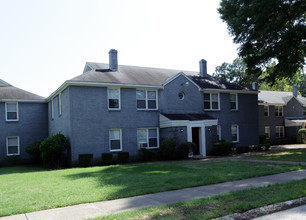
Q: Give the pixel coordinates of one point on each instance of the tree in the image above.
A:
(235, 73)
(268, 31)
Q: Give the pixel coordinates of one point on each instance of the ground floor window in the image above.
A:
(235, 133)
(279, 132)
(115, 139)
(12, 146)
(267, 132)
(147, 138)
(219, 132)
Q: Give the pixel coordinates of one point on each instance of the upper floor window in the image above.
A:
(114, 99)
(279, 110)
(11, 109)
(12, 146)
(304, 111)
(211, 101)
(234, 101)
(279, 132)
(115, 139)
(267, 132)
(235, 133)
(147, 138)
(146, 99)
(59, 104)
(266, 110)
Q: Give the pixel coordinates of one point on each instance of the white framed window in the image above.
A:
(52, 109)
(279, 111)
(267, 132)
(115, 139)
(279, 132)
(219, 132)
(147, 138)
(266, 111)
(59, 104)
(114, 98)
(304, 111)
(235, 133)
(211, 101)
(12, 146)
(234, 101)
(11, 111)
(146, 99)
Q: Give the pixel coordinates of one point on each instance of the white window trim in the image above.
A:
(119, 106)
(147, 131)
(237, 133)
(59, 104)
(236, 94)
(269, 133)
(268, 110)
(52, 109)
(147, 100)
(120, 133)
(17, 111)
(282, 107)
(8, 146)
(219, 132)
(210, 99)
(304, 110)
(280, 127)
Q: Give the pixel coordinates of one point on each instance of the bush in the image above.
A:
(302, 136)
(224, 148)
(167, 149)
(11, 160)
(240, 150)
(123, 157)
(262, 139)
(148, 155)
(52, 149)
(183, 150)
(107, 158)
(278, 142)
(34, 151)
(85, 160)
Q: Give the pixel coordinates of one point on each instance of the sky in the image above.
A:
(43, 43)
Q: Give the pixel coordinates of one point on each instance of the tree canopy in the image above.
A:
(268, 31)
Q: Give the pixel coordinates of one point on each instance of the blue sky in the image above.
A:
(45, 42)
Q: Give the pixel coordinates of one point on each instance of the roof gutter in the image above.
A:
(230, 91)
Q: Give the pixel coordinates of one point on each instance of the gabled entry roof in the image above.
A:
(189, 117)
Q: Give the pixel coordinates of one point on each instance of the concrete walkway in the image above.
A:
(91, 210)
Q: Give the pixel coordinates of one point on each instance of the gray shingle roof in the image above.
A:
(277, 97)
(8, 91)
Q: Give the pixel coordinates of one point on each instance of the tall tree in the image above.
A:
(268, 31)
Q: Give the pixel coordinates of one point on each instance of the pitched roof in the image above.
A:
(278, 97)
(10, 92)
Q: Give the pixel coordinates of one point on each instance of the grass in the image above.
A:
(289, 155)
(221, 205)
(25, 189)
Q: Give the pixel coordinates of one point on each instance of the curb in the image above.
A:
(266, 210)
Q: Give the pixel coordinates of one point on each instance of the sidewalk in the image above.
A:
(91, 210)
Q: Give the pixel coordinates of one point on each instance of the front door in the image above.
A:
(196, 139)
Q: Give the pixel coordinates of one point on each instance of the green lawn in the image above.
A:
(289, 155)
(221, 205)
(25, 189)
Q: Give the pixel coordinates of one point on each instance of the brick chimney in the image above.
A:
(113, 60)
(203, 68)
(295, 91)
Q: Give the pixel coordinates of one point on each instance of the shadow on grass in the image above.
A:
(20, 169)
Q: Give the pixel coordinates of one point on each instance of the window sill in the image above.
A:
(115, 150)
(212, 110)
(114, 110)
(148, 148)
(147, 109)
(11, 120)
(234, 110)
(9, 155)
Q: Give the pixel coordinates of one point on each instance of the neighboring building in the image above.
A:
(23, 120)
(281, 114)
(113, 108)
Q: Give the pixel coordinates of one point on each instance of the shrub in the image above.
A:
(11, 160)
(240, 150)
(278, 142)
(123, 157)
(262, 139)
(183, 150)
(224, 148)
(34, 151)
(148, 155)
(107, 158)
(85, 160)
(167, 149)
(302, 135)
(52, 149)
